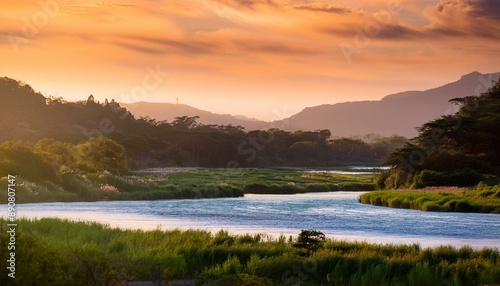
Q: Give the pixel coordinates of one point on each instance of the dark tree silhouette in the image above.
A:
(467, 140)
(311, 240)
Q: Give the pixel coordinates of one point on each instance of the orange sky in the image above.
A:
(261, 58)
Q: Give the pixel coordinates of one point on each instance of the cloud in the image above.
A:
(241, 4)
(157, 45)
(479, 18)
(273, 47)
(448, 19)
(210, 41)
(322, 7)
(394, 31)
(99, 4)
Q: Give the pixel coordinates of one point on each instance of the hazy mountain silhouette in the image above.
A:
(167, 111)
(398, 113)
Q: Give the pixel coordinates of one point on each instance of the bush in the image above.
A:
(356, 187)
(463, 206)
(395, 202)
(16, 159)
(459, 178)
(317, 187)
(483, 201)
(103, 154)
(82, 187)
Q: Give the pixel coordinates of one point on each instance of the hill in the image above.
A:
(398, 113)
(167, 111)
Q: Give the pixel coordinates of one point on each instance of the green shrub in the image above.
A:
(482, 201)
(459, 178)
(395, 202)
(423, 275)
(317, 187)
(357, 187)
(463, 206)
(82, 187)
(432, 207)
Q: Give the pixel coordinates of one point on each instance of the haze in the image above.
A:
(266, 59)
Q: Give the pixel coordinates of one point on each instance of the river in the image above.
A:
(337, 214)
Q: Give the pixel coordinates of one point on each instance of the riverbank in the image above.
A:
(92, 254)
(186, 184)
(482, 199)
(337, 214)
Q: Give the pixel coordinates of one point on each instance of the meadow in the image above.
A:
(481, 199)
(60, 252)
(185, 184)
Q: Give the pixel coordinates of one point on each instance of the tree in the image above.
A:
(60, 154)
(304, 151)
(468, 139)
(311, 240)
(103, 154)
(185, 122)
(353, 150)
(17, 159)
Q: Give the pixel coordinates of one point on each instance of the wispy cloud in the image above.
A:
(465, 18)
(323, 7)
(232, 46)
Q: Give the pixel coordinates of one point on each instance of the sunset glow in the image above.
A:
(266, 59)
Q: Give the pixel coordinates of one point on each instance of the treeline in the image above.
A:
(460, 149)
(29, 116)
(55, 252)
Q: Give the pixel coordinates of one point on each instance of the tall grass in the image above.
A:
(59, 252)
(483, 199)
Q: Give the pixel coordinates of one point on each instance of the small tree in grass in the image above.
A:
(311, 240)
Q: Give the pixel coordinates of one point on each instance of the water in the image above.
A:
(337, 214)
(353, 170)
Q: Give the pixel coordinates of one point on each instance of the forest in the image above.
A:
(60, 126)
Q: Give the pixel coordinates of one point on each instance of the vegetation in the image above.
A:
(454, 150)
(86, 150)
(28, 116)
(183, 184)
(77, 253)
(311, 240)
(483, 199)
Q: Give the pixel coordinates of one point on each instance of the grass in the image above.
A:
(192, 184)
(482, 199)
(59, 252)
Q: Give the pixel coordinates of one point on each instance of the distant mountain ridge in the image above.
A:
(167, 111)
(399, 113)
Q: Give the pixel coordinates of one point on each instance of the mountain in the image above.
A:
(167, 111)
(398, 113)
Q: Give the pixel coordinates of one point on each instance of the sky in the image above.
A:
(266, 59)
